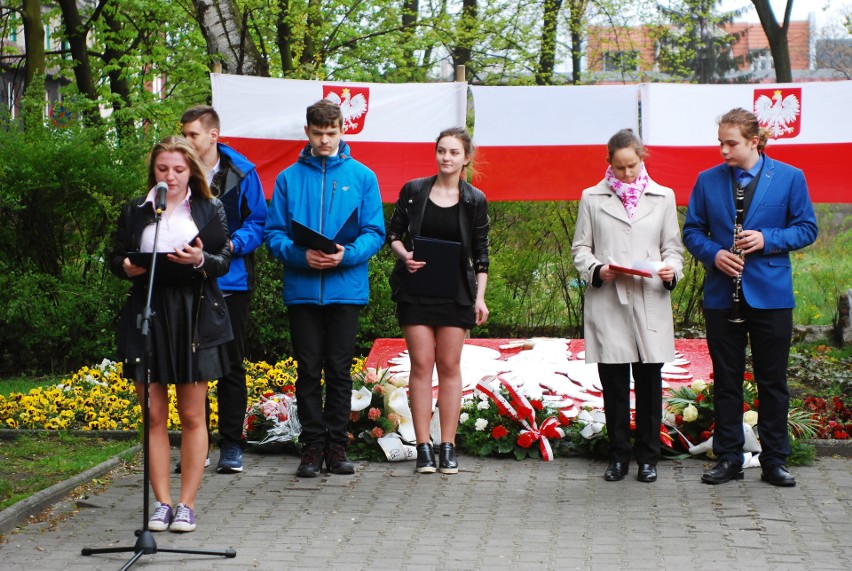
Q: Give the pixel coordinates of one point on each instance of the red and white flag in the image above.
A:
(390, 127)
(547, 143)
(809, 125)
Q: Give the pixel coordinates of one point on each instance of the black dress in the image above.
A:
(442, 223)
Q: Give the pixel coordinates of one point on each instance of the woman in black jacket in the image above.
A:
(190, 316)
(443, 207)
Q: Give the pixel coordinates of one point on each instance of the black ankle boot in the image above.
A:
(425, 459)
(447, 463)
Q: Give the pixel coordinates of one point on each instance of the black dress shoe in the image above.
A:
(615, 471)
(425, 459)
(778, 476)
(336, 460)
(724, 471)
(447, 463)
(647, 473)
(311, 464)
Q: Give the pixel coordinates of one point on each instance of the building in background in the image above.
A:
(631, 54)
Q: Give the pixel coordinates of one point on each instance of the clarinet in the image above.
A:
(736, 310)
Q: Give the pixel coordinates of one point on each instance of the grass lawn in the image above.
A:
(33, 463)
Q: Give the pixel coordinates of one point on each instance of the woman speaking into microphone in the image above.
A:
(190, 316)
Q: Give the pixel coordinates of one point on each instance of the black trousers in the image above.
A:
(324, 341)
(769, 332)
(615, 380)
(232, 392)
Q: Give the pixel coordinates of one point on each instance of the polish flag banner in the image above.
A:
(808, 126)
(390, 127)
(547, 143)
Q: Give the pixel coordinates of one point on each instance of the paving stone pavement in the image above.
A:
(494, 514)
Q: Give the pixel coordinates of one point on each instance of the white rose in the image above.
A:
(698, 385)
(463, 417)
(480, 425)
(690, 413)
(750, 418)
(483, 405)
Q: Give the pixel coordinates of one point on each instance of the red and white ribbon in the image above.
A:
(518, 408)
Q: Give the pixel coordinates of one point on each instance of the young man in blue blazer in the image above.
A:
(748, 289)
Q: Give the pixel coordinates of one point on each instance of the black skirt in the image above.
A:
(175, 361)
(448, 314)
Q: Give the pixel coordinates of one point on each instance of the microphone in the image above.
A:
(160, 203)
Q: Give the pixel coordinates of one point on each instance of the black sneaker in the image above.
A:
(312, 458)
(336, 460)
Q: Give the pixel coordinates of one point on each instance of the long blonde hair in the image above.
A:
(174, 144)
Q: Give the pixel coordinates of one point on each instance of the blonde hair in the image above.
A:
(748, 124)
(175, 144)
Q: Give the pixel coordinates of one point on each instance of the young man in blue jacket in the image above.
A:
(233, 179)
(748, 292)
(329, 192)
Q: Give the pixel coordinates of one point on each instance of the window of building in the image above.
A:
(761, 60)
(621, 61)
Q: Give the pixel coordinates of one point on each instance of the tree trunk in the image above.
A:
(576, 10)
(310, 57)
(777, 36)
(547, 55)
(227, 38)
(285, 36)
(118, 83)
(76, 34)
(410, 11)
(33, 41)
(466, 35)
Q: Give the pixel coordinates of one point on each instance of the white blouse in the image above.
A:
(176, 227)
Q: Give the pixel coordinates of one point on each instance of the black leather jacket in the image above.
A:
(407, 219)
(212, 327)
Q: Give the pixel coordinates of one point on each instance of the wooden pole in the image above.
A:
(460, 73)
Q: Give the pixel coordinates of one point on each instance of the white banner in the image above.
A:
(268, 108)
(553, 115)
(797, 113)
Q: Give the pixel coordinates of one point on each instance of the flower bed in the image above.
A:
(496, 419)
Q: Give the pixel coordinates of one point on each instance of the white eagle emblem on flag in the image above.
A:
(353, 104)
(780, 112)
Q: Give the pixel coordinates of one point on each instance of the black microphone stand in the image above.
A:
(145, 544)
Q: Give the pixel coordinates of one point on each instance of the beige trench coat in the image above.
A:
(628, 319)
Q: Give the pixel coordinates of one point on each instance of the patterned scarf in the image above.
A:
(628, 193)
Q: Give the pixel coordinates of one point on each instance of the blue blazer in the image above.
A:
(781, 209)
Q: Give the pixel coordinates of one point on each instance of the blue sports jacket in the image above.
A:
(245, 207)
(321, 193)
(781, 209)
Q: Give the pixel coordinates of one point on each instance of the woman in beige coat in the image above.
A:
(627, 221)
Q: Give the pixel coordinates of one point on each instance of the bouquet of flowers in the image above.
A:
(690, 419)
(500, 420)
(272, 422)
(379, 410)
(690, 413)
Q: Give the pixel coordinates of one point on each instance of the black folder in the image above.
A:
(439, 277)
(309, 238)
(213, 237)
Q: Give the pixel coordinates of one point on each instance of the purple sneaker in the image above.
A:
(184, 519)
(162, 517)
